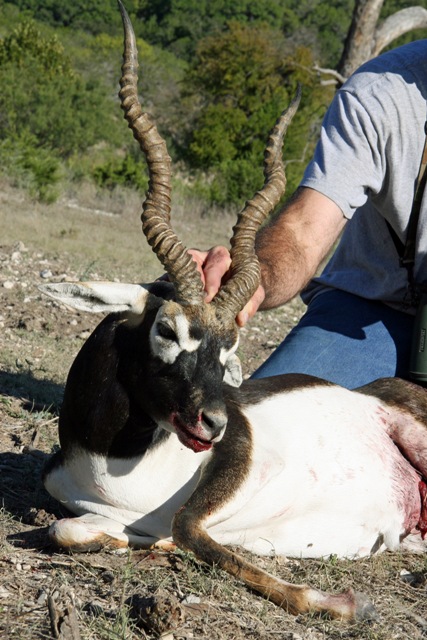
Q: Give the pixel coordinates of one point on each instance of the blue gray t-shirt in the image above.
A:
(367, 161)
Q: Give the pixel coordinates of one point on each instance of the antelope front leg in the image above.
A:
(92, 532)
(295, 599)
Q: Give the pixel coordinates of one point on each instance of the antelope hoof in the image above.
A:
(349, 606)
(364, 609)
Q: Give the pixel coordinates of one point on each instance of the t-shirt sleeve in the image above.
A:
(348, 161)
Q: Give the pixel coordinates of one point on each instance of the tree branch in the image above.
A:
(397, 24)
(338, 78)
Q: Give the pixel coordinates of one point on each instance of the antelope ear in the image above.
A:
(100, 297)
(233, 371)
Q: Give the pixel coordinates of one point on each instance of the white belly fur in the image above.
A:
(325, 479)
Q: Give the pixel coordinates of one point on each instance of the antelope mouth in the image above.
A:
(190, 435)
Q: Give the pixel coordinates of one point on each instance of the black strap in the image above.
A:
(406, 251)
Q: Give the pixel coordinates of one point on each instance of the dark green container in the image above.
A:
(418, 364)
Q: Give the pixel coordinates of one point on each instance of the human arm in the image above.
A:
(292, 246)
(290, 249)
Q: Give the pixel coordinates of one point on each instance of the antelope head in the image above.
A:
(182, 349)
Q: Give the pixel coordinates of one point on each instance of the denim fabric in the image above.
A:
(345, 339)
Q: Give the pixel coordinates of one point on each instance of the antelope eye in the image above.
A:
(165, 331)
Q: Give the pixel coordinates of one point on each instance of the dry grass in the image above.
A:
(38, 342)
(98, 230)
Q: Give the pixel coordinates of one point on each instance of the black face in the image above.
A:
(179, 373)
(134, 381)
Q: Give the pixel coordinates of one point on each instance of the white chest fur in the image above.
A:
(144, 491)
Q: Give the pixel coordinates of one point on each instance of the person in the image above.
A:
(359, 320)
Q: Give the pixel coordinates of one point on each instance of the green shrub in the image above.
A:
(32, 166)
(126, 171)
(42, 93)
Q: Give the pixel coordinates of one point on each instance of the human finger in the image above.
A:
(215, 265)
(251, 307)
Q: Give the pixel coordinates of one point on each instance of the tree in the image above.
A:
(244, 78)
(367, 37)
(95, 16)
(180, 24)
(48, 112)
(42, 93)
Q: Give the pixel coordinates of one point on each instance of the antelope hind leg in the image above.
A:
(92, 532)
(407, 417)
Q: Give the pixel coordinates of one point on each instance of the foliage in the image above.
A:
(320, 25)
(33, 167)
(246, 77)
(215, 75)
(42, 93)
(128, 171)
(47, 110)
(95, 16)
(26, 41)
(180, 24)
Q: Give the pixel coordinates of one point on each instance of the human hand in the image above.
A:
(214, 266)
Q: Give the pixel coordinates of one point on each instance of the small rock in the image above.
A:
(191, 599)
(413, 578)
(8, 284)
(41, 597)
(4, 593)
(46, 273)
(157, 614)
(108, 577)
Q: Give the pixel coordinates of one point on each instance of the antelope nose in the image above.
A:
(215, 421)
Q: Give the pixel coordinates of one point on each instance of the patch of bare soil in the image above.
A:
(47, 594)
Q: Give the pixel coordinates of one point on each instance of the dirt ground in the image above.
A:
(48, 594)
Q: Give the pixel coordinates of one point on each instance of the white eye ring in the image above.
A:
(166, 332)
(166, 349)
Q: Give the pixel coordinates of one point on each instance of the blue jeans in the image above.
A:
(345, 339)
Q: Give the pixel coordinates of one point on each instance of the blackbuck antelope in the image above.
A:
(161, 443)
